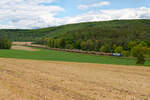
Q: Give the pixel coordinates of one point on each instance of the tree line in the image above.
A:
(5, 43)
(136, 48)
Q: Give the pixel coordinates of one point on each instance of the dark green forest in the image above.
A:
(94, 36)
(106, 30)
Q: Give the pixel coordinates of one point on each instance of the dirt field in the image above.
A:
(22, 43)
(23, 48)
(19, 46)
(46, 80)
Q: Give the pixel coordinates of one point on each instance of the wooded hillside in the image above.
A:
(123, 30)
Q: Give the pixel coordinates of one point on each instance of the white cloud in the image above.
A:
(27, 13)
(104, 15)
(6, 27)
(99, 4)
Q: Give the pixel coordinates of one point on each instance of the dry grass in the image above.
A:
(46, 80)
(19, 46)
(23, 48)
(22, 43)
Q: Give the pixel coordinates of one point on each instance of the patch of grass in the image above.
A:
(53, 55)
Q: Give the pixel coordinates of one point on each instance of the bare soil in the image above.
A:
(20, 46)
(17, 47)
(22, 43)
(49, 80)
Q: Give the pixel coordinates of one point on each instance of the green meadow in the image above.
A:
(52, 55)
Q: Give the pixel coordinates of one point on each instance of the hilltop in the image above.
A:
(123, 29)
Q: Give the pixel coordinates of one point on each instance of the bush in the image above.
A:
(126, 53)
(69, 46)
(104, 48)
(142, 43)
(139, 52)
(83, 45)
(132, 44)
(148, 52)
(119, 49)
(140, 59)
(5, 43)
(114, 47)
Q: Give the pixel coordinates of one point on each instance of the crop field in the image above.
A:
(50, 80)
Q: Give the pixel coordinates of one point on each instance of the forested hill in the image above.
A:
(122, 30)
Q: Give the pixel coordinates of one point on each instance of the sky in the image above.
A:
(31, 14)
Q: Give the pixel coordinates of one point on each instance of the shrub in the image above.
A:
(139, 52)
(140, 59)
(142, 43)
(126, 53)
(104, 48)
(83, 45)
(119, 49)
(132, 44)
(5, 43)
(114, 47)
(69, 46)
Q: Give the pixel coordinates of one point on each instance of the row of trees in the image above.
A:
(137, 48)
(5, 43)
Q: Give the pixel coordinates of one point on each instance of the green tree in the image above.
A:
(104, 48)
(69, 46)
(55, 43)
(60, 43)
(126, 53)
(119, 49)
(48, 41)
(77, 44)
(90, 45)
(96, 45)
(148, 52)
(83, 45)
(140, 59)
(5, 43)
(132, 44)
(139, 52)
(142, 43)
(52, 43)
(114, 47)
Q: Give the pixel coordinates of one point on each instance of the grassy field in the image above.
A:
(52, 55)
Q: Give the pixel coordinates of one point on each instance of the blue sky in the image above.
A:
(70, 6)
(45, 13)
